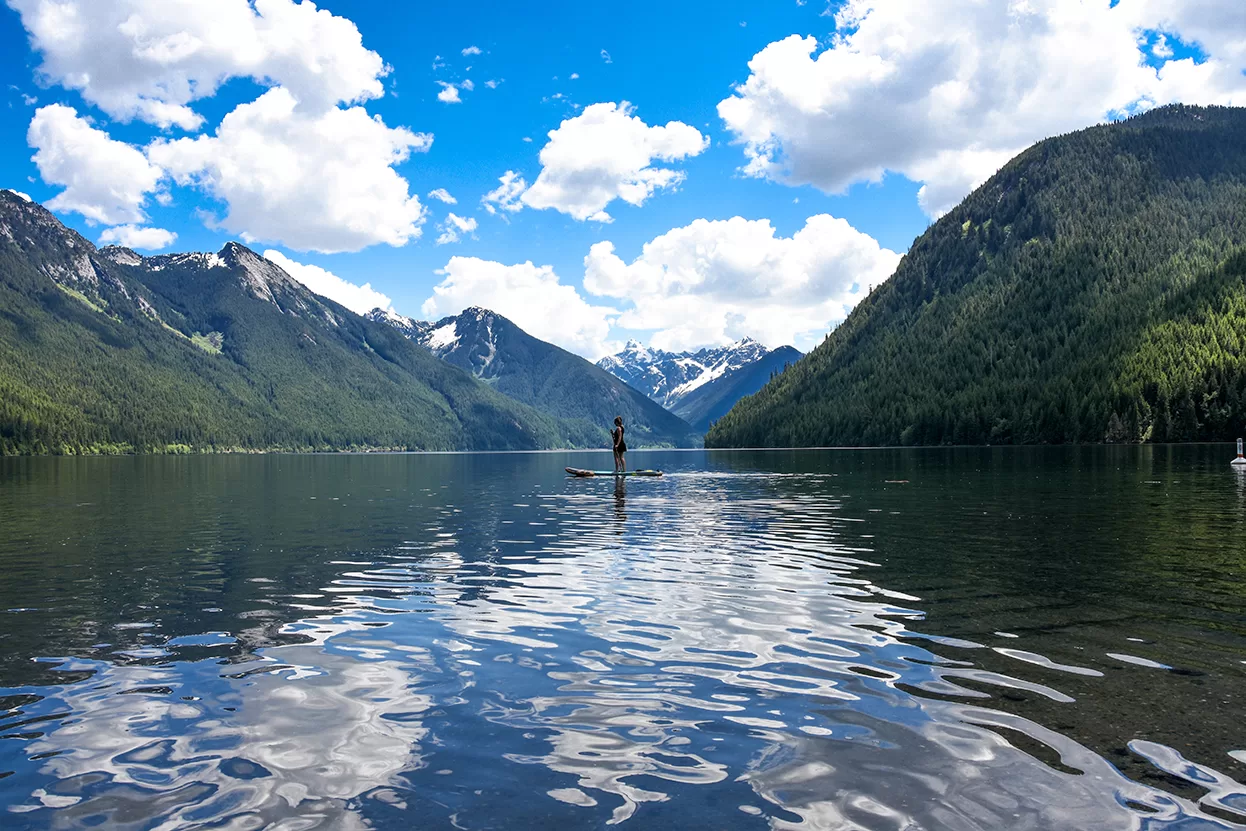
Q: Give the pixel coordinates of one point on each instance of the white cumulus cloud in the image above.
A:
(449, 94)
(1162, 49)
(714, 282)
(532, 296)
(359, 299)
(149, 59)
(322, 182)
(606, 153)
(134, 236)
(105, 180)
(454, 227)
(505, 197)
(442, 195)
(945, 91)
(471, 50)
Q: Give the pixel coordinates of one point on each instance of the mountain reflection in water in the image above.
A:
(1008, 639)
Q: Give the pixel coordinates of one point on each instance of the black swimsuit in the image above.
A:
(620, 445)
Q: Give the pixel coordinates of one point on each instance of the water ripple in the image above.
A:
(707, 650)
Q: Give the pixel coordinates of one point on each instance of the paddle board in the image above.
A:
(575, 471)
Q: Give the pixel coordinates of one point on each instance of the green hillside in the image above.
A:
(1092, 290)
(105, 351)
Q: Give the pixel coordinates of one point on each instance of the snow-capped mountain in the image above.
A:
(498, 352)
(711, 401)
(699, 387)
(667, 377)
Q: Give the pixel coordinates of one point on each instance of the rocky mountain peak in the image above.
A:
(121, 255)
(379, 315)
(31, 226)
(260, 276)
(237, 254)
(409, 328)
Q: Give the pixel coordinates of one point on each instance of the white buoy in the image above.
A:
(1240, 461)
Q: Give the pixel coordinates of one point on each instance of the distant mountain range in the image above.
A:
(1093, 290)
(699, 386)
(703, 405)
(499, 353)
(108, 351)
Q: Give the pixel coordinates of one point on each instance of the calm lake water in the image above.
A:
(886, 639)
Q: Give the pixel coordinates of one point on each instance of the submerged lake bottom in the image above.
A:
(982, 638)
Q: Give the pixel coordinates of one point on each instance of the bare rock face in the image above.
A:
(121, 255)
(58, 252)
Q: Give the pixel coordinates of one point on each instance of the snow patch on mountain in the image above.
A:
(443, 337)
(469, 335)
(409, 328)
(194, 259)
(707, 375)
(391, 317)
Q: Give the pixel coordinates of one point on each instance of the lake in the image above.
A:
(983, 638)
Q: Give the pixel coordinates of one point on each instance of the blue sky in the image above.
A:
(846, 131)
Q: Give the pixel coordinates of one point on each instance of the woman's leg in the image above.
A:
(623, 462)
(617, 459)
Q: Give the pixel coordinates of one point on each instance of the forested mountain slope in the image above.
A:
(534, 372)
(1091, 290)
(107, 351)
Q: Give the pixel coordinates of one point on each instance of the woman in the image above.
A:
(620, 446)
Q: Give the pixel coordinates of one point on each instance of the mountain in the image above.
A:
(108, 351)
(702, 386)
(710, 401)
(410, 329)
(1092, 290)
(667, 377)
(539, 374)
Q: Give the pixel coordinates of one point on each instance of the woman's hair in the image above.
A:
(618, 420)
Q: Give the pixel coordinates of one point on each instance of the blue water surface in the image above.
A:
(917, 639)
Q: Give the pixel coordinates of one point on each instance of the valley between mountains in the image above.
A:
(1091, 291)
(106, 351)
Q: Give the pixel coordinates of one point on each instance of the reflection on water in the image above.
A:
(886, 640)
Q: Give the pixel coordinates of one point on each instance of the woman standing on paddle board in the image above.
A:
(620, 446)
